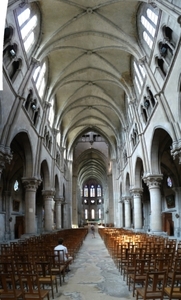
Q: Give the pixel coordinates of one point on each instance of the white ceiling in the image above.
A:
(89, 46)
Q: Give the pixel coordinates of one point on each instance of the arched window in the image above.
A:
(39, 79)
(99, 194)
(29, 100)
(150, 96)
(148, 26)
(152, 16)
(58, 142)
(149, 22)
(139, 76)
(86, 214)
(27, 24)
(85, 191)
(51, 113)
(169, 181)
(147, 39)
(92, 214)
(92, 191)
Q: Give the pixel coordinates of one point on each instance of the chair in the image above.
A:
(31, 288)
(139, 275)
(174, 291)
(129, 266)
(123, 257)
(56, 267)
(45, 276)
(154, 286)
(9, 290)
(176, 268)
(63, 260)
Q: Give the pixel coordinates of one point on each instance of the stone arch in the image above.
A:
(127, 184)
(22, 153)
(138, 172)
(57, 187)
(45, 175)
(160, 140)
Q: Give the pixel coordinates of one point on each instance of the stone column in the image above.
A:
(121, 223)
(48, 200)
(154, 182)
(127, 210)
(5, 158)
(8, 218)
(177, 215)
(30, 185)
(137, 218)
(58, 205)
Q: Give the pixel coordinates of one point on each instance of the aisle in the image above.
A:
(93, 275)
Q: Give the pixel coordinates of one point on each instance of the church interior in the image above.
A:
(90, 116)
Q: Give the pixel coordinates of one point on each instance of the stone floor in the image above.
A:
(93, 275)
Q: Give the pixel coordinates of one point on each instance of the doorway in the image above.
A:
(168, 224)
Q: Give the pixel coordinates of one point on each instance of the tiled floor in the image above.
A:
(93, 275)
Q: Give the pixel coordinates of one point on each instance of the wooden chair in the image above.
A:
(123, 258)
(45, 276)
(139, 275)
(9, 290)
(130, 265)
(176, 268)
(154, 286)
(174, 291)
(56, 267)
(63, 260)
(31, 288)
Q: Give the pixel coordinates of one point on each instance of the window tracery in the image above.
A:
(149, 23)
(47, 139)
(139, 76)
(32, 108)
(27, 24)
(134, 135)
(51, 112)
(39, 79)
(12, 62)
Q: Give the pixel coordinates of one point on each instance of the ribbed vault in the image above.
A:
(89, 46)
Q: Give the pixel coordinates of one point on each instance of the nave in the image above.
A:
(115, 263)
(93, 274)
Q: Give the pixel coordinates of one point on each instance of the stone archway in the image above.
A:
(13, 188)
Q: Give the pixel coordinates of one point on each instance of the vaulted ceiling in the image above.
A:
(89, 46)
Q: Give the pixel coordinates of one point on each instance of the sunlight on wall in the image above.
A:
(2, 25)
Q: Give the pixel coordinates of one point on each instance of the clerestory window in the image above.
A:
(149, 22)
(39, 79)
(51, 113)
(27, 24)
(138, 76)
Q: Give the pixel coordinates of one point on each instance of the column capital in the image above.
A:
(31, 183)
(136, 191)
(34, 62)
(57, 199)
(5, 158)
(142, 61)
(126, 199)
(153, 180)
(176, 150)
(48, 193)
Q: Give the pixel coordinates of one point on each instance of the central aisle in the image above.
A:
(93, 275)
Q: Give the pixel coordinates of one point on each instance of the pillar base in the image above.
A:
(27, 235)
